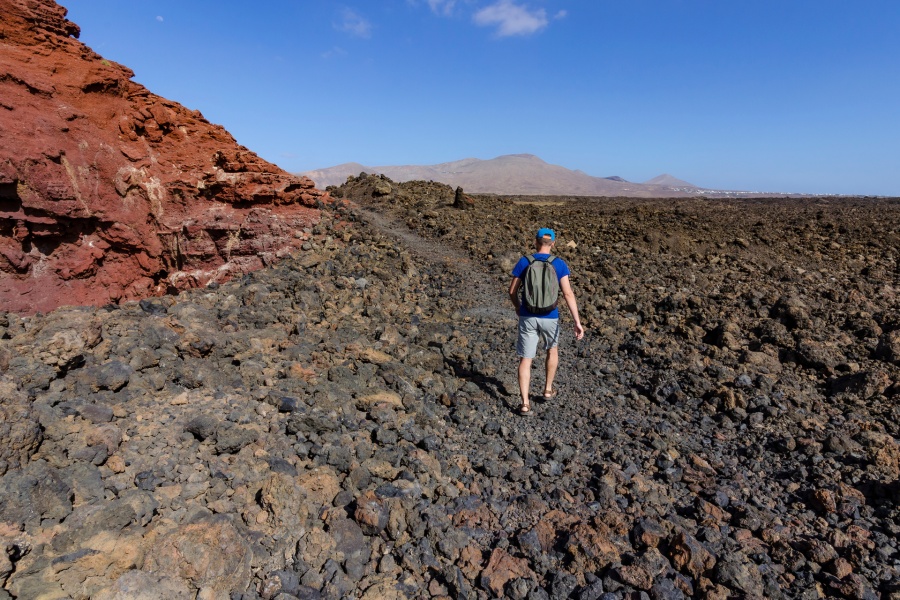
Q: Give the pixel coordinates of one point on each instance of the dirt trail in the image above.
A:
(491, 316)
(487, 292)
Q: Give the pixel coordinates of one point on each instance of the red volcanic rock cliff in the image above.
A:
(109, 192)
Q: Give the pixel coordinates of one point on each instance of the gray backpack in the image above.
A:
(540, 286)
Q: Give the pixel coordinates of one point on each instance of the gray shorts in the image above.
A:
(532, 329)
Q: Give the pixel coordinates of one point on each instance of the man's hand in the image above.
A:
(514, 294)
(579, 331)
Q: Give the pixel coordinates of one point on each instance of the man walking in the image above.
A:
(535, 301)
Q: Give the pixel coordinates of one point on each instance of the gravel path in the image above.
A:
(481, 294)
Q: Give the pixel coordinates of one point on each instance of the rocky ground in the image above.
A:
(342, 425)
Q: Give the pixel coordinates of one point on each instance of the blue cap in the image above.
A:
(545, 231)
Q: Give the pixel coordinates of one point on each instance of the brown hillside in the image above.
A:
(513, 174)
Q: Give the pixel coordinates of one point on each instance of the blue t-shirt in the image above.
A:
(562, 270)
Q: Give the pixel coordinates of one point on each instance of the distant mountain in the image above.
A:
(669, 181)
(512, 174)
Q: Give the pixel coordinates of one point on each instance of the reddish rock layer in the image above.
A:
(109, 192)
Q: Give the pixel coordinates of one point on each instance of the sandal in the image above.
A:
(551, 394)
(526, 411)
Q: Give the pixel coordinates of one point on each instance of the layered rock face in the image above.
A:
(109, 192)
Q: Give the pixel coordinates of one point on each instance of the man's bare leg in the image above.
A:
(525, 380)
(552, 363)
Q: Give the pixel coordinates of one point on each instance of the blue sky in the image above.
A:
(767, 95)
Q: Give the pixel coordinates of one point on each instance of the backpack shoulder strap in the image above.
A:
(530, 258)
(551, 259)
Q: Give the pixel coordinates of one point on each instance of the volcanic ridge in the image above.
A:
(109, 192)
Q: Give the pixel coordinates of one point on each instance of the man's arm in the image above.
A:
(514, 293)
(569, 297)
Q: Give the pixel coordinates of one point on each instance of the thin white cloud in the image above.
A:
(159, 18)
(511, 19)
(353, 23)
(560, 15)
(442, 7)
